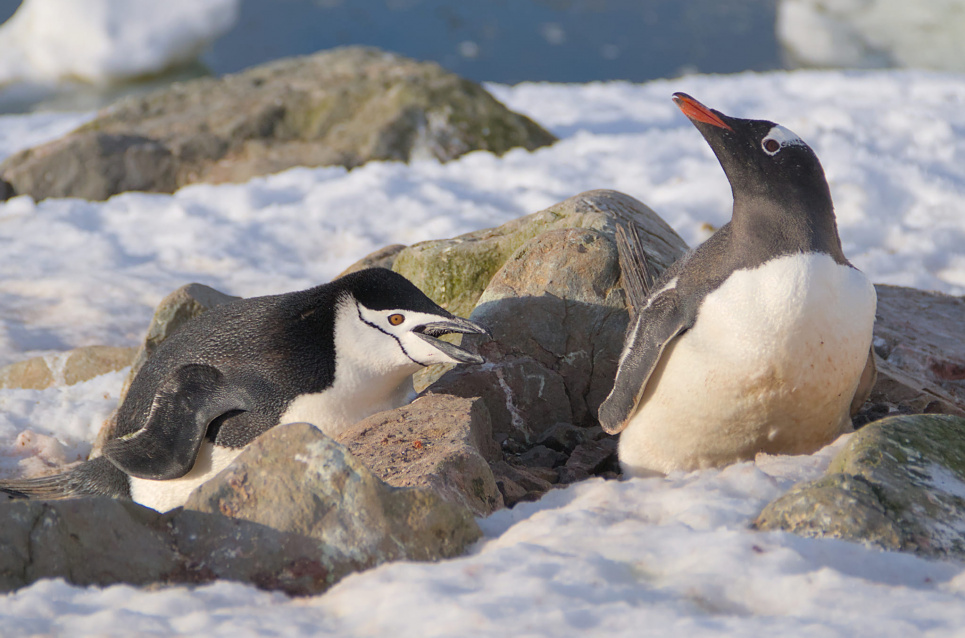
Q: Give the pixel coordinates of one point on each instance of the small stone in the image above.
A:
(589, 459)
(563, 437)
(542, 456)
(67, 368)
(521, 476)
(548, 474)
(511, 491)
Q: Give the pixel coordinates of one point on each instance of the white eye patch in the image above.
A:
(779, 137)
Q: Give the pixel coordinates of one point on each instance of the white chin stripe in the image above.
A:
(784, 137)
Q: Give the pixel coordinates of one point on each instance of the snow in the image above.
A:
(105, 41)
(661, 556)
(873, 33)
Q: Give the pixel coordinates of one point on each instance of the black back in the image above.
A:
(268, 349)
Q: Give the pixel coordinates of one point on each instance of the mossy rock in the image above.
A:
(345, 107)
(454, 272)
(898, 484)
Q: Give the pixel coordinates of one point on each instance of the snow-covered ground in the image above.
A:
(667, 556)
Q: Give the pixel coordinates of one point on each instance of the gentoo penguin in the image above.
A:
(755, 341)
(331, 355)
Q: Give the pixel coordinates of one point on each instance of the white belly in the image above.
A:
(166, 495)
(339, 406)
(771, 365)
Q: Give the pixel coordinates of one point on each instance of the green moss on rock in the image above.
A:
(454, 272)
(898, 484)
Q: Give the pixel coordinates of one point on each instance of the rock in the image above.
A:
(542, 456)
(454, 272)
(439, 442)
(919, 353)
(97, 541)
(590, 458)
(31, 374)
(102, 541)
(295, 479)
(518, 484)
(563, 437)
(898, 484)
(342, 107)
(305, 514)
(66, 368)
(381, 258)
(920, 335)
(548, 286)
(522, 396)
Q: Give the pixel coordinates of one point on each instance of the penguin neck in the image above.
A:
(787, 227)
(371, 374)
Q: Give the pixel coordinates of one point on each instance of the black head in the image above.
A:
(383, 289)
(777, 180)
(761, 159)
(386, 304)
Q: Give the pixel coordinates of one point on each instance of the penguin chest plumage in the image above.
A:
(770, 365)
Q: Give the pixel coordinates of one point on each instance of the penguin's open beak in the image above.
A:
(697, 112)
(430, 331)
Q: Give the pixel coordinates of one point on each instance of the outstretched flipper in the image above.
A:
(656, 319)
(97, 477)
(186, 402)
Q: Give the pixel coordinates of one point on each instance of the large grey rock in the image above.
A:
(439, 442)
(454, 272)
(899, 484)
(295, 479)
(340, 107)
(304, 514)
(66, 368)
(554, 304)
(102, 541)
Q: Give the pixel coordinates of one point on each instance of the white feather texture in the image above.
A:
(166, 495)
(770, 365)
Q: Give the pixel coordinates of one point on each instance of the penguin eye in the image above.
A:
(771, 146)
(396, 319)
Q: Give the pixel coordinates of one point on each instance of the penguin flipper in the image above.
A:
(657, 324)
(97, 477)
(185, 403)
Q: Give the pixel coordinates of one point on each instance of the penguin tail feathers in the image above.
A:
(637, 273)
(97, 477)
(44, 488)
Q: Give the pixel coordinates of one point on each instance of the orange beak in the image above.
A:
(697, 111)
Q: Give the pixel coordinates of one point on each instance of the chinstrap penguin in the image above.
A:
(756, 340)
(330, 356)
